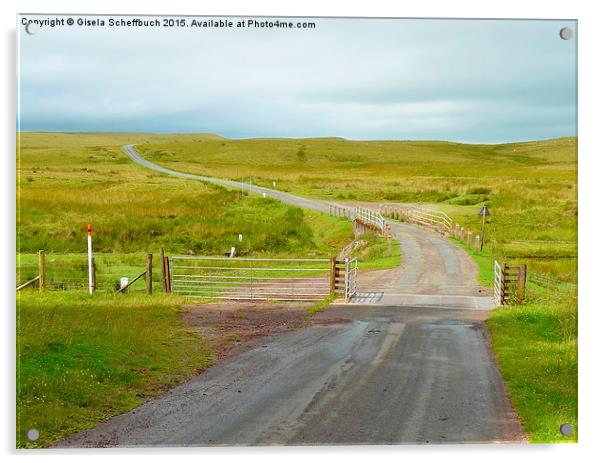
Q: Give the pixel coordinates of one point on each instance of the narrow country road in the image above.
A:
(434, 272)
(408, 362)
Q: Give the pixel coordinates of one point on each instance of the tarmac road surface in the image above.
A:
(408, 362)
(358, 375)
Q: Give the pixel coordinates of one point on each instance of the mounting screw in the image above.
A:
(566, 429)
(566, 33)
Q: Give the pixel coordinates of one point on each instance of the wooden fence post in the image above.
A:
(41, 270)
(522, 281)
(149, 274)
(333, 267)
(468, 238)
(167, 275)
(477, 244)
(162, 261)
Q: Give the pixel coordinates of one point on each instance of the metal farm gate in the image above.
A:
(509, 283)
(350, 289)
(241, 278)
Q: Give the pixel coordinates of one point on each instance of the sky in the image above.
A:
(472, 81)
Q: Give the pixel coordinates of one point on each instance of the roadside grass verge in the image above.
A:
(378, 253)
(483, 259)
(82, 359)
(536, 347)
(320, 305)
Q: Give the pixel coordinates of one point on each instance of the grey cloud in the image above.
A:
(476, 81)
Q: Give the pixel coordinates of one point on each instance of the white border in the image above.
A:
(590, 155)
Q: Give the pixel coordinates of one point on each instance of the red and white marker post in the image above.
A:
(90, 262)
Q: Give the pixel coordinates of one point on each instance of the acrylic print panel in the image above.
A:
(282, 231)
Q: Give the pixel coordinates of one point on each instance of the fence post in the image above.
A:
(333, 267)
(167, 275)
(477, 244)
(41, 270)
(149, 274)
(162, 261)
(503, 284)
(522, 280)
(468, 238)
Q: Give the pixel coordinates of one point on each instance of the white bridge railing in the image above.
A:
(430, 218)
(360, 214)
(423, 216)
(369, 217)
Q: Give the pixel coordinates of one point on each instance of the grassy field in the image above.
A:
(69, 180)
(81, 360)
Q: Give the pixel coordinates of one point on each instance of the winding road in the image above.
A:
(407, 362)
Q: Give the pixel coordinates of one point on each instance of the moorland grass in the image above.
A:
(83, 359)
(66, 181)
(536, 347)
(530, 188)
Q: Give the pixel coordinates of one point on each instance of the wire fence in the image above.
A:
(69, 272)
(549, 281)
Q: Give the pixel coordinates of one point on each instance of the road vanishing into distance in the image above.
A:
(407, 362)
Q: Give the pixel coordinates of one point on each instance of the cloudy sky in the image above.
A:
(468, 81)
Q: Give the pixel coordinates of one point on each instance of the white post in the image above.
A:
(90, 264)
